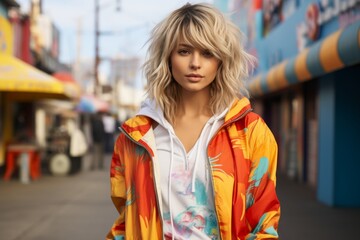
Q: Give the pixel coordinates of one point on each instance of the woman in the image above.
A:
(195, 162)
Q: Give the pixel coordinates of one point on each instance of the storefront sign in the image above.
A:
(350, 16)
(311, 21)
(328, 9)
(272, 10)
(321, 12)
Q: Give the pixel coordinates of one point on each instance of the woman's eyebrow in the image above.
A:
(185, 45)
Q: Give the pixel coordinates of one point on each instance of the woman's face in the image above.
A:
(192, 68)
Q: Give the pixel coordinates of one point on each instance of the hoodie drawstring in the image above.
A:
(169, 187)
(199, 150)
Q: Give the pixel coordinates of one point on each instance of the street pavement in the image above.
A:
(66, 208)
(303, 217)
(79, 207)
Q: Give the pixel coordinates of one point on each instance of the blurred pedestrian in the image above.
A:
(78, 145)
(195, 162)
(98, 137)
(109, 127)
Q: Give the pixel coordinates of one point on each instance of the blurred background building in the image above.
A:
(127, 96)
(306, 85)
(39, 96)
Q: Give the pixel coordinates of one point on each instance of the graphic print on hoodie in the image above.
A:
(186, 187)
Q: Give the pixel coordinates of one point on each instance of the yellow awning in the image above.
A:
(18, 76)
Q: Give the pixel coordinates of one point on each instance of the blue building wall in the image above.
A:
(339, 131)
(347, 134)
(326, 140)
(223, 5)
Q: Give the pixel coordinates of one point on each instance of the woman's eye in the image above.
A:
(183, 52)
(207, 54)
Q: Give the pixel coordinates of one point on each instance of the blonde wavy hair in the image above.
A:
(204, 27)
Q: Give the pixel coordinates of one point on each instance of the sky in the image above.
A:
(130, 26)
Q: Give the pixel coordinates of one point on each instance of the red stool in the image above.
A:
(13, 151)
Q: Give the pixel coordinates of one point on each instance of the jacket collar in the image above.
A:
(238, 108)
(138, 127)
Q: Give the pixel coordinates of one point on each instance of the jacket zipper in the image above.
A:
(154, 181)
(211, 171)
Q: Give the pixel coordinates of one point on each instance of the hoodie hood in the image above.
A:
(149, 109)
(138, 126)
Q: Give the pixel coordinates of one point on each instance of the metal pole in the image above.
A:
(97, 84)
(97, 57)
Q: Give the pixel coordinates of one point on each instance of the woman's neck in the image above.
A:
(194, 105)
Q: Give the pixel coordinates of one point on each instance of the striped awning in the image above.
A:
(338, 50)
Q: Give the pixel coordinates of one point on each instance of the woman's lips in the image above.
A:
(194, 77)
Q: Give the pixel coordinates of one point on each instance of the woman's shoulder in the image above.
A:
(249, 118)
(252, 123)
(136, 127)
(137, 120)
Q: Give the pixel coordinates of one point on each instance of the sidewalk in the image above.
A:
(57, 208)
(79, 207)
(302, 217)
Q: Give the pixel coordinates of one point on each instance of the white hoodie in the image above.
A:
(186, 187)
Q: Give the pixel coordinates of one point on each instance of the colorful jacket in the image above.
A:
(243, 160)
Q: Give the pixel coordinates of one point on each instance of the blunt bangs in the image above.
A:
(200, 30)
(198, 37)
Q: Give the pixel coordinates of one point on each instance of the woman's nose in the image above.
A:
(195, 61)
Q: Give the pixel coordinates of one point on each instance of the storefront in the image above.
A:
(306, 88)
(21, 87)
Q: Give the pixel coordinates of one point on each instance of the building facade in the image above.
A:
(23, 86)
(127, 89)
(306, 85)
